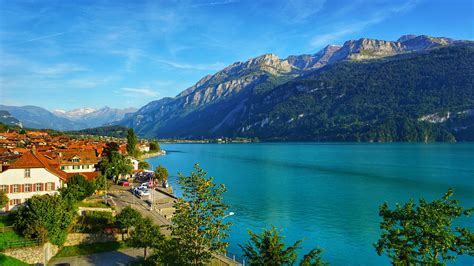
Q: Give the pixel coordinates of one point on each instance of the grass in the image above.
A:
(6, 260)
(92, 205)
(85, 249)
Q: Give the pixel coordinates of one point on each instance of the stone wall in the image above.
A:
(80, 238)
(33, 255)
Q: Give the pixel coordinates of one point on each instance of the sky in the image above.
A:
(72, 54)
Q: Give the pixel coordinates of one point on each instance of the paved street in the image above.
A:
(112, 258)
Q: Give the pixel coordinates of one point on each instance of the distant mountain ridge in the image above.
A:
(7, 119)
(37, 117)
(224, 104)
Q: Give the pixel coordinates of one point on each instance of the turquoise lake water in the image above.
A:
(327, 194)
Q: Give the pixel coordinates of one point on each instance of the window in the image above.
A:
(4, 188)
(15, 189)
(38, 187)
(75, 167)
(63, 167)
(27, 188)
(27, 173)
(49, 186)
(15, 202)
(76, 160)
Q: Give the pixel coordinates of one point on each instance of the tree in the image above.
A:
(101, 183)
(198, 228)
(145, 235)
(161, 173)
(154, 146)
(3, 199)
(424, 234)
(131, 142)
(47, 217)
(269, 249)
(111, 147)
(78, 188)
(143, 165)
(127, 218)
(115, 165)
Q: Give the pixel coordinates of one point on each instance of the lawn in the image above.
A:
(92, 205)
(6, 260)
(85, 249)
(10, 237)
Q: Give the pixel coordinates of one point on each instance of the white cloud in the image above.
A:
(174, 64)
(141, 91)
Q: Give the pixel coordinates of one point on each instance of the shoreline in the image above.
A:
(153, 154)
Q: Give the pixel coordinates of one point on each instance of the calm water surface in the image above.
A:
(327, 194)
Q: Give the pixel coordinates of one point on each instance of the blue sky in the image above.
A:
(70, 54)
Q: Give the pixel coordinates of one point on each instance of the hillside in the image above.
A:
(364, 90)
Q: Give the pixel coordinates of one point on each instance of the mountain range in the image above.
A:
(363, 90)
(37, 117)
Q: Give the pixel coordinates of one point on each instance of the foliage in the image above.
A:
(424, 234)
(145, 235)
(85, 249)
(143, 165)
(47, 217)
(161, 173)
(94, 221)
(154, 146)
(198, 228)
(78, 188)
(131, 142)
(127, 218)
(115, 165)
(268, 249)
(101, 183)
(110, 131)
(111, 147)
(3, 199)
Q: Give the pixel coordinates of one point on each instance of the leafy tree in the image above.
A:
(154, 146)
(145, 235)
(47, 217)
(115, 165)
(127, 218)
(110, 148)
(143, 165)
(3, 199)
(161, 173)
(131, 142)
(424, 234)
(198, 228)
(269, 249)
(101, 183)
(78, 188)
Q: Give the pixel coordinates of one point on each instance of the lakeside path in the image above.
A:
(152, 154)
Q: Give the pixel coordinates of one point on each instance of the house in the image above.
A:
(32, 174)
(78, 160)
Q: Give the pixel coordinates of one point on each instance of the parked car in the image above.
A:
(144, 192)
(124, 183)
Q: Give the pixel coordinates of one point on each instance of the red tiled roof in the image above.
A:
(34, 160)
(88, 175)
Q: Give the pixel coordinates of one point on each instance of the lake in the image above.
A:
(326, 193)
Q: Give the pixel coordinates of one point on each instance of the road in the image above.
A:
(112, 258)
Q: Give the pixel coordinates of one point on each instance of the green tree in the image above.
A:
(424, 234)
(101, 183)
(198, 228)
(3, 199)
(145, 235)
(161, 173)
(131, 142)
(47, 217)
(154, 145)
(115, 165)
(127, 218)
(269, 249)
(78, 188)
(143, 165)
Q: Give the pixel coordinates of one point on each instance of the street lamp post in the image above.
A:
(223, 217)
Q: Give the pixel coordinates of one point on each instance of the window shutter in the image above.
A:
(33, 187)
(11, 188)
(42, 186)
(23, 188)
(53, 186)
